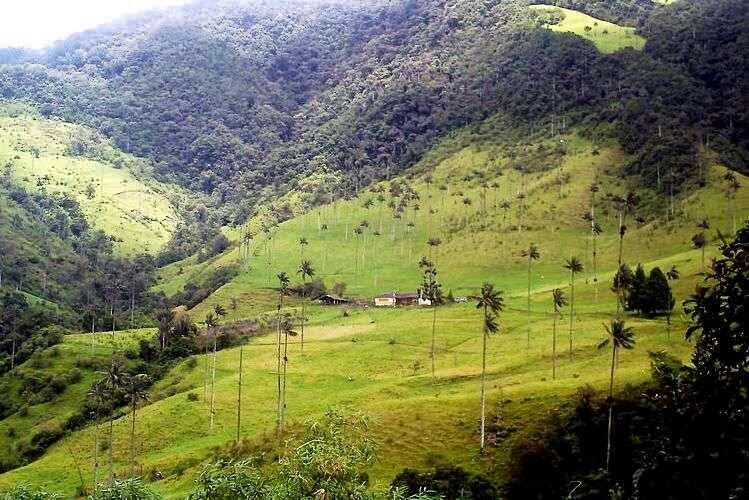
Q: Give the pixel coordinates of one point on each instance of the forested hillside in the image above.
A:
(244, 99)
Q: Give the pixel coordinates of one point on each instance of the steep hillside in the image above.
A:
(245, 99)
(377, 359)
(114, 190)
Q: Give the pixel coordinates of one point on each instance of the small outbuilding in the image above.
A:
(385, 300)
(334, 300)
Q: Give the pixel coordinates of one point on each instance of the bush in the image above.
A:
(128, 489)
(24, 492)
(448, 481)
(191, 396)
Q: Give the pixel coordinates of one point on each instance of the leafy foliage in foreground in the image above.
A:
(684, 436)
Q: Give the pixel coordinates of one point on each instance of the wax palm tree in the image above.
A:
(625, 206)
(98, 393)
(164, 321)
(286, 326)
(283, 289)
(432, 291)
(619, 336)
(433, 243)
(559, 300)
(574, 266)
(531, 253)
(700, 241)
(136, 390)
(302, 243)
(115, 379)
(491, 302)
(732, 188)
(671, 275)
(211, 322)
(306, 271)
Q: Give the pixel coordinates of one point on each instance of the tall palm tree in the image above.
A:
(211, 324)
(672, 275)
(559, 300)
(595, 230)
(732, 188)
(97, 392)
(164, 321)
(621, 337)
(700, 241)
(283, 289)
(287, 331)
(625, 206)
(306, 271)
(136, 389)
(432, 291)
(115, 379)
(574, 266)
(492, 303)
(433, 243)
(302, 243)
(531, 253)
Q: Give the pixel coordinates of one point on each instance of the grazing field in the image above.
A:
(114, 189)
(607, 37)
(378, 360)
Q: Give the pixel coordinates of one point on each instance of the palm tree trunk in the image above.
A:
(110, 476)
(528, 312)
(572, 309)
(96, 452)
(278, 364)
(132, 439)
(285, 363)
(213, 383)
(554, 348)
(434, 325)
(611, 410)
(483, 391)
(239, 391)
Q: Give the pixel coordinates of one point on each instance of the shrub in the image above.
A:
(448, 481)
(191, 396)
(24, 492)
(128, 489)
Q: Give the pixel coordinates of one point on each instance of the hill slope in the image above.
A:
(378, 359)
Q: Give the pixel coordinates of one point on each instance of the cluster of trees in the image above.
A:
(357, 91)
(646, 294)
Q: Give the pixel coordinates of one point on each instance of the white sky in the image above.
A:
(37, 23)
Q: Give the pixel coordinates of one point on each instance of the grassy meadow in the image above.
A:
(115, 190)
(607, 37)
(377, 360)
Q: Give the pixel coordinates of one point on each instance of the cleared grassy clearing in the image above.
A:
(607, 37)
(119, 198)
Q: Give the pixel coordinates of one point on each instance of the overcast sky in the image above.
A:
(37, 23)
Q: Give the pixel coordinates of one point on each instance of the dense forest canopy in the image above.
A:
(243, 99)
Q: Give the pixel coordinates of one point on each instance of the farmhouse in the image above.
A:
(334, 300)
(401, 299)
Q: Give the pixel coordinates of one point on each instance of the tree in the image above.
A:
(98, 393)
(619, 336)
(625, 206)
(699, 241)
(211, 325)
(492, 303)
(637, 296)
(431, 289)
(732, 188)
(136, 390)
(531, 253)
(559, 301)
(306, 271)
(302, 243)
(672, 274)
(659, 299)
(164, 321)
(287, 331)
(433, 243)
(283, 289)
(574, 266)
(114, 381)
